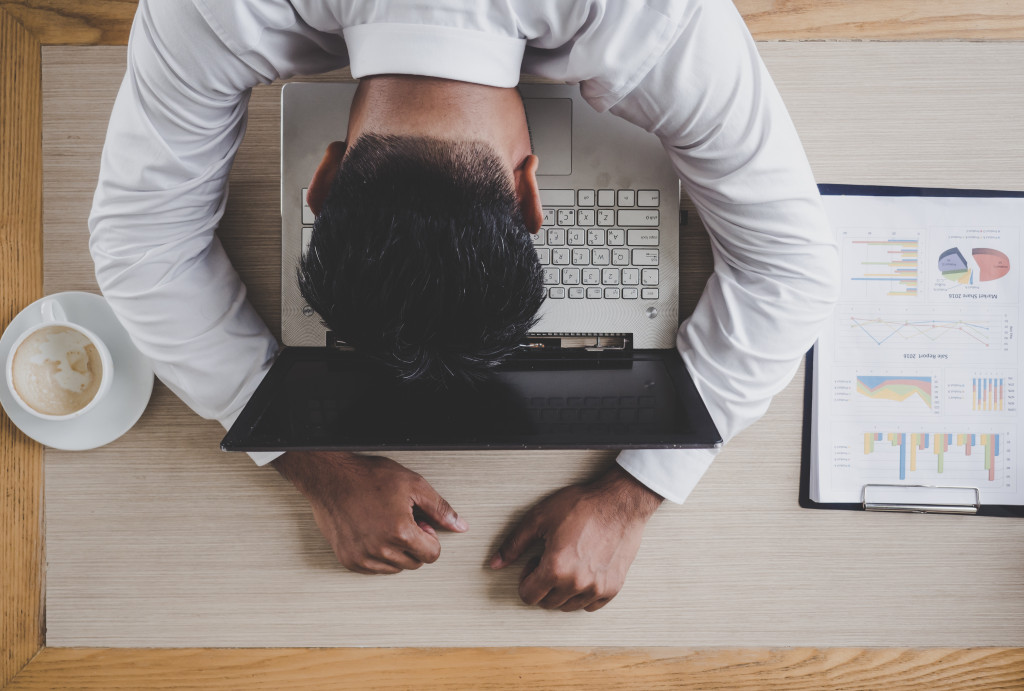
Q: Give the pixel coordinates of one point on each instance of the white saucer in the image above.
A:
(118, 410)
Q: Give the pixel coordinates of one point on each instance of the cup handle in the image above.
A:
(52, 311)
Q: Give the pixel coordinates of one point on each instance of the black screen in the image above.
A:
(315, 398)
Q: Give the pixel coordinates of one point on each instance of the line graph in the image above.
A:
(976, 333)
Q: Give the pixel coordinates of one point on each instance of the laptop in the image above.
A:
(600, 369)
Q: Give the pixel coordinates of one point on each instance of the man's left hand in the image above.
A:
(591, 535)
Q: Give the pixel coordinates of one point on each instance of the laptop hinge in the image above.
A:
(590, 342)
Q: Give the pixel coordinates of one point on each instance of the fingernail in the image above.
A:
(460, 524)
(496, 561)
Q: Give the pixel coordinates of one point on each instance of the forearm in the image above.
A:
(729, 137)
(629, 496)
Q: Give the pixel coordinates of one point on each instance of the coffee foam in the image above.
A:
(57, 370)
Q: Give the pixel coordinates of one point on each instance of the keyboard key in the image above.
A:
(645, 257)
(567, 217)
(307, 213)
(627, 197)
(556, 236)
(599, 257)
(580, 256)
(539, 237)
(585, 217)
(631, 277)
(571, 277)
(593, 293)
(649, 293)
(630, 293)
(616, 237)
(611, 293)
(620, 257)
(557, 293)
(591, 277)
(559, 256)
(610, 277)
(551, 277)
(557, 198)
(642, 236)
(543, 255)
(650, 277)
(307, 233)
(585, 197)
(549, 217)
(575, 236)
(606, 197)
(648, 198)
(595, 236)
(605, 217)
(639, 217)
(576, 293)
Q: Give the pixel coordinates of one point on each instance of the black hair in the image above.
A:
(420, 258)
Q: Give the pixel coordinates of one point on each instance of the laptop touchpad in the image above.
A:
(550, 122)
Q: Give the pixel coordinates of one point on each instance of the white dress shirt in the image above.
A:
(686, 70)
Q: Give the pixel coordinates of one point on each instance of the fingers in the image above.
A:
(535, 584)
(419, 544)
(400, 558)
(597, 604)
(518, 541)
(551, 582)
(371, 567)
(437, 509)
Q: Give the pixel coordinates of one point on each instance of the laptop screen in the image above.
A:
(316, 398)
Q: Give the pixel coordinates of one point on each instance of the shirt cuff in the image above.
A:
(435, 51)
(672, 473)
(261, 457)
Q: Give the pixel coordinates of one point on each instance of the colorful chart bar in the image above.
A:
(899, 265)
(910, 444)
(987, 394)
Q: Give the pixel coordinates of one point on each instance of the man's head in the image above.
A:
(421, 257)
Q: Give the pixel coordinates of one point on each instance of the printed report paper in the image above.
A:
(915, 379)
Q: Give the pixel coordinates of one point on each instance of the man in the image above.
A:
(437, 168)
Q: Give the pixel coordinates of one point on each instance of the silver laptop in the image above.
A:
(609, 244)
(600, 371)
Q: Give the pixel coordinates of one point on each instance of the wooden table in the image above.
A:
(765, 576)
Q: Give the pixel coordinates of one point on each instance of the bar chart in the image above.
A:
(982, 449)
(885, 267)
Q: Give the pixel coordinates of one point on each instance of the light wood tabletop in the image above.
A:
(160, 540)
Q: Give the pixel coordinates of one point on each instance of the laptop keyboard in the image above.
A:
(591, 413)
(600, 244)
(593, 244)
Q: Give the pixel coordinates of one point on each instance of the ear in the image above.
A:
(325, 173)
(528, 193)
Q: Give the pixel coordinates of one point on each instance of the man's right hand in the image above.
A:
(371, 509)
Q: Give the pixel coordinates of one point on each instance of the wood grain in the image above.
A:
(21, 278)
(883, 20)
(75, 22)
(795, 669)
(107, 22)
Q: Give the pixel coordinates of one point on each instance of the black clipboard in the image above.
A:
(805, 463)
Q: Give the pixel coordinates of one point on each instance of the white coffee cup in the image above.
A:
(58, 372)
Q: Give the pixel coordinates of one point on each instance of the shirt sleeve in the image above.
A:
(717, 112)
(176, 124)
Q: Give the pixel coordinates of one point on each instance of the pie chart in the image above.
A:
(990, 265)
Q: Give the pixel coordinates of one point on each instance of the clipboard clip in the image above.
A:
(921, 499)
